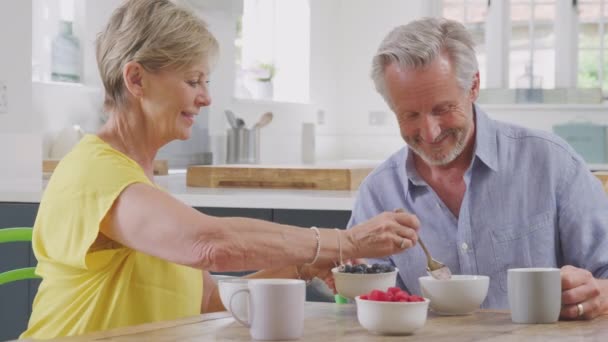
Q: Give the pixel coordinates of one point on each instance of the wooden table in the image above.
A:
(603, 177)
(333, 322)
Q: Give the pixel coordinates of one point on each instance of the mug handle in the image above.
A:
(240, 320)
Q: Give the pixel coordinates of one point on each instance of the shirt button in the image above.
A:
(464, 246)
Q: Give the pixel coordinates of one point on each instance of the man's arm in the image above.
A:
(583, 229)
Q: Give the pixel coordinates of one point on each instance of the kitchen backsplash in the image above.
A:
(64, 105)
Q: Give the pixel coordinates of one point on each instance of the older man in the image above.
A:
(489, 195)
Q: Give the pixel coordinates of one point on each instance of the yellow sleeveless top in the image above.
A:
(88, 284)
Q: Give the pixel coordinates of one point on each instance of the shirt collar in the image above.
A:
(486, 148)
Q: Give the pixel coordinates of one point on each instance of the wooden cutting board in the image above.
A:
(161, 167)
(276, 177)
(603, 177)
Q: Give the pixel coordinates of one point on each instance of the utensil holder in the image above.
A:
(243, 146)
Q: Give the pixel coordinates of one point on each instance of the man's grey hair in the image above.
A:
(418, 43)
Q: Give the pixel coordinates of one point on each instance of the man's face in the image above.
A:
(435, 115)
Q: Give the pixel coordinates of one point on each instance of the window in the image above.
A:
(532, 45)
(273, 58)
(538, 44)
(592, 44)
(472, 13)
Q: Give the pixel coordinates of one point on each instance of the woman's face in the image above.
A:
(172, 99)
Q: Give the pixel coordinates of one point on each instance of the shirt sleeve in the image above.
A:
(75, 202)
(583, 220)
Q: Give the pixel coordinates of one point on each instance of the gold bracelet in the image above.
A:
(339, 246)
(318, 237)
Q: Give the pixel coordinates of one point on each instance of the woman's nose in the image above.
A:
(203, 99)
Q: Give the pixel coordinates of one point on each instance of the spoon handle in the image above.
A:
(426, 251)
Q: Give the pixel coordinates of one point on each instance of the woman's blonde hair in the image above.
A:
(155, 33)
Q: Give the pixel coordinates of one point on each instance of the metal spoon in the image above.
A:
(240, 123)
(434, 268)
(231, 118)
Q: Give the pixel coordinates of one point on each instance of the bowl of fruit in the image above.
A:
(459, 295)
(391, 312)
(355, 280)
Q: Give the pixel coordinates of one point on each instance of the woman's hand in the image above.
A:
(383, 235)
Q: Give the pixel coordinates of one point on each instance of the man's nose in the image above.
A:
(430, 128)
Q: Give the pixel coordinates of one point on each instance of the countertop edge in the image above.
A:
(229, 197)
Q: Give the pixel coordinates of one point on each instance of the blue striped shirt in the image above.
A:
(530, 201)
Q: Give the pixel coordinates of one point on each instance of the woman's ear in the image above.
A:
(133, 73)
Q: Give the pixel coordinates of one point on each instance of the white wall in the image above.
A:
(20, 143)
(352, 36)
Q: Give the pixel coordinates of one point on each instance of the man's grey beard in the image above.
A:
(451, 156)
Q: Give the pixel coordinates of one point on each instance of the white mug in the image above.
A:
(276, 308)
(227, 287)
(535, 294)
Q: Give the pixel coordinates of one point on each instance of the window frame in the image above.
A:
(498, 28)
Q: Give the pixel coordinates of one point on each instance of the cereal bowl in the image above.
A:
(460, 295)
(391, 318)
(351, 285)
(229, 286)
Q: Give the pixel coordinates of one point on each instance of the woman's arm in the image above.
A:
(211, 295)
(152, 221)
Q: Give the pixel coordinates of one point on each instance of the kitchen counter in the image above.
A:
(256, 198)
(175, 183)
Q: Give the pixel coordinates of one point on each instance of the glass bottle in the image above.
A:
(65, 52)
(529, 87)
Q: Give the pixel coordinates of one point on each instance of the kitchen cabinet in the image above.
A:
(16, 298)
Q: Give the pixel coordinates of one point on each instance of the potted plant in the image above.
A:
(265, 74)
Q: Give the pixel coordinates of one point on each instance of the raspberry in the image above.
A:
(401, 295)
(392, 294)
(378, 295)
(393, 290)
(415, 298)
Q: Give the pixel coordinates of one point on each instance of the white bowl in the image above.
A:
(351, 285)
(240, 304)
(460, 295)
(391, 318)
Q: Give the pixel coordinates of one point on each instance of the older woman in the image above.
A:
(113, 248)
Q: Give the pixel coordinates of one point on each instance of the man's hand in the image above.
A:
(583, 296)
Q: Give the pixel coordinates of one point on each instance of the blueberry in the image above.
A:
(365, 269)
(389, 268)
